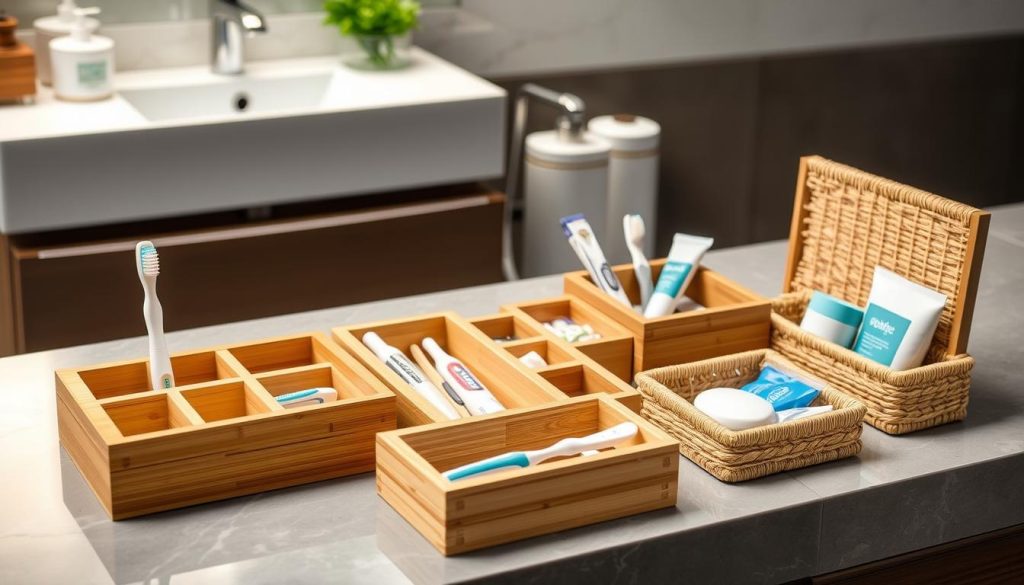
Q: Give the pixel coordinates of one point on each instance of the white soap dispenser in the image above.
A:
(83, 63)
(48, 28)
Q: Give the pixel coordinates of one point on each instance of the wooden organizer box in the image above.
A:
(219, 432)
(569, 369)
(509, 505)
(734, 319)
(511, 382)
(614, 351)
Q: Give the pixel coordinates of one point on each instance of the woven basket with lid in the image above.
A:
(846, 222)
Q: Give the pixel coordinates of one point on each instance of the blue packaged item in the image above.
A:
(781, 390)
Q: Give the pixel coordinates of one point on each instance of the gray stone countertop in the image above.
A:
(900, 494)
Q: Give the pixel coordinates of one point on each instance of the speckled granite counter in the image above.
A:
(900, 494)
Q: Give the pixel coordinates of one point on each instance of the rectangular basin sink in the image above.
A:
(184, 141)
(232, 97)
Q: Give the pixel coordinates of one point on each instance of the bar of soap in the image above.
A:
(735, 409)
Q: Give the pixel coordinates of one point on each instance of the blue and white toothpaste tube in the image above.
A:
(307, 397)
(584, 243)
(683, 260)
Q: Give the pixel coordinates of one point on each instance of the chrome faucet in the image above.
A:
(229, 19)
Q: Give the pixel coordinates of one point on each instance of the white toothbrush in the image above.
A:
(148, 263)
(635, 232)
(566, 447)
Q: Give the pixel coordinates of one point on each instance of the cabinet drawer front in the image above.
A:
(90, 292)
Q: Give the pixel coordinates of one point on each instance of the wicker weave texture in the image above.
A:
(856, 221)
(734, 456)
(897, 402)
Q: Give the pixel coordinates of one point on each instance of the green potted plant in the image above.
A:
(380, 28)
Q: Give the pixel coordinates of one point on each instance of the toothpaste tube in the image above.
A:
(585, 244)
(781, 390)
(676, 274)
(307, 397)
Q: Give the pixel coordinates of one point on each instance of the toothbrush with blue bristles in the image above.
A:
(565, 448)
(148, 263)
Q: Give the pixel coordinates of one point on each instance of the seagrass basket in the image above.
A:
(846, 222)
(734, 456)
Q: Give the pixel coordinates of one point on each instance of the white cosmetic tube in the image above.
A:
(676, 274)
(585, 244)
(899, 321)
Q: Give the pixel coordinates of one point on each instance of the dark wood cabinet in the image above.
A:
(74, 290)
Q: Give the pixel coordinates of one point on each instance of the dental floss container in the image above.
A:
(563, 175)
(83, 63)
(632, 178)
(735, 409)
(48, 28)
(832, 319)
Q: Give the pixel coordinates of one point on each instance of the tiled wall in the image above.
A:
(947, 117)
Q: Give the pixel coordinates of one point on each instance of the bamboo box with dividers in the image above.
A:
(219, 432)
(496, 365)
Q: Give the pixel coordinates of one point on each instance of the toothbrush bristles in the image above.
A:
(150, 261)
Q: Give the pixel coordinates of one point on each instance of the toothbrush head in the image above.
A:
(147, 259)
(635, 230)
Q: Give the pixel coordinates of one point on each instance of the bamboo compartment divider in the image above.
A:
(569, 369)
(509, 505)
(219, 433)
(614, 351)
(498, 370)
(733, 319)
(846, 222)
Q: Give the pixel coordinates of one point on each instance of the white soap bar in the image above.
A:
(735, 409)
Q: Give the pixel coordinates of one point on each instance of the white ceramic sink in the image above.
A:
(173, 141)
(239, 96)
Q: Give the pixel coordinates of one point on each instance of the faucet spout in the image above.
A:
(230, 21)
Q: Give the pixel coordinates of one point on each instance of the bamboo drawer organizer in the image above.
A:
(219, 433)
(511, 382)
(846, 222)
(509, 505)
(613, 351)
(734, 319)
(742, 455)
(569, 368)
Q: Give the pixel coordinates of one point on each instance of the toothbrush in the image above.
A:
(635, 231)
(148, 263)
(475, 396)
(307, 397)
(565, 448)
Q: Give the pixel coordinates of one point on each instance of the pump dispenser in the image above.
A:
(83, 63)
(49, 28)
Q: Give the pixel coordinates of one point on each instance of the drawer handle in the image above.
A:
(270, 229)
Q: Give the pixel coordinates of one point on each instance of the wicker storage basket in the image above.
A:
(741, 455)
(846, 222)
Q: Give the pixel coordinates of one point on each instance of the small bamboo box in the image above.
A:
(614, 349)
(733, 319)
(219, 432)
(569, 369)
(509, 505)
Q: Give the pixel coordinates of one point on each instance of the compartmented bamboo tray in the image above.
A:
(510, 505)
(734, 456)
(219, 433)
(733, 319)
(613, 351)
(846, 222)
(569, 369)
(511, 382)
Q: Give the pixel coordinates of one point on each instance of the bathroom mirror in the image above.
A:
(126, 11)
